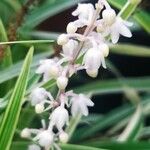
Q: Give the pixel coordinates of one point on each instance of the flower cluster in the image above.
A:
(92, 45)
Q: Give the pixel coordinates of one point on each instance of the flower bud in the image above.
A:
(109, 16)
(62, 39)
(63, 137)
(62, 82)
(25, 133)
(92, 73)
(34, 147)
(54, 71)
(100, 28)
(39, 108)
(71, 28)
(105, 49)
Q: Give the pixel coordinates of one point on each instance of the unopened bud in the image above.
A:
(71, 28)
(54, 71)
(62, 39)
(63, 137)
(39, 108)
(62, 82)
(92, 73)
(25, 133)
(109, 16)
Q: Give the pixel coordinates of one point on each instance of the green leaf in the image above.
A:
(133, 127)
(13, 109)
(106, 121)
(114, 85)
(5, 58)
(14, 70)
(23, 146)
(131, 50)
(78, 147)
(121, 145)
(142, 17)
(47, 10)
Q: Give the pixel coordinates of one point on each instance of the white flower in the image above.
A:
(119, 27)
(34, 147)
(49, 68)
(69, 49)
(79, 104)
(59, 117)
(38, 95)
(92, 61)
(45, 138)
(85, 13)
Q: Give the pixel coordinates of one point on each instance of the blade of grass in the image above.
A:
(114, 86)
(5, 58)
(13, 109)
(131, 50)
(26, 42)
(120, 145)
(47, 10)
(133, 127)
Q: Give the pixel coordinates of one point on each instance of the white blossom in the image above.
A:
(80, 104)
(59, 117)
(38, 95)
(45, 138)
(34, 147)
(93, 60)
(69, 49)
(85, 13)
(119, 27)
(50, 68)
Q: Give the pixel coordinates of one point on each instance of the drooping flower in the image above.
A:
(69, 49)
(79, 104)
(93, 60)
(45, 138)
(85, 13)
(59, 118)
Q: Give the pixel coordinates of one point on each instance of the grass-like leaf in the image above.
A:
(131, 50)
(47, 10)
(24, 145)
(115, 86)
(13, 109)
(121, 145)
